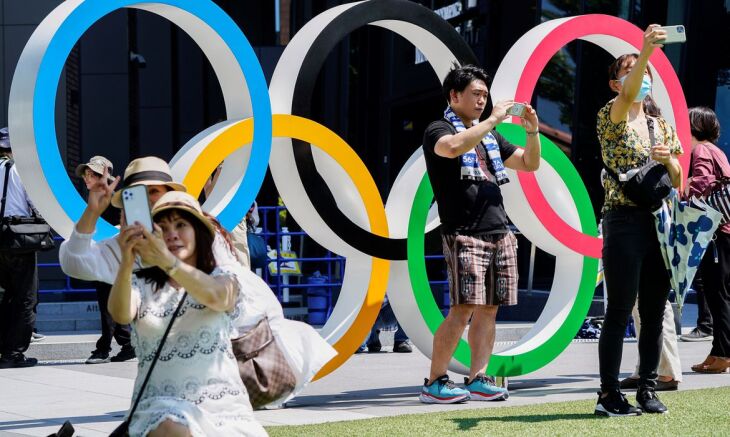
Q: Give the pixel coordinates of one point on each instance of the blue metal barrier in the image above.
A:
(335, 264)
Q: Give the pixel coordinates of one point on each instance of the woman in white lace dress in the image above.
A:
(194, 388)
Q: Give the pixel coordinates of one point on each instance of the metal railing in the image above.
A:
(271, 229)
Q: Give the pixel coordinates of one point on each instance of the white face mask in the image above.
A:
(645, 87)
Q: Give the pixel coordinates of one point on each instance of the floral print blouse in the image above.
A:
(623, 149)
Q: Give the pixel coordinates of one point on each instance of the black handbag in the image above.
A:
(20, 234)
(648, 185)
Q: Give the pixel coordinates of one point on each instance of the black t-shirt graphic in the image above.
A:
(465, 206)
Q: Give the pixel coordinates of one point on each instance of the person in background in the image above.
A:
(669, 370)
(18, 272)
(703, 328)
(632, 259)
(709, 164)
(91, 173)
(386, 321)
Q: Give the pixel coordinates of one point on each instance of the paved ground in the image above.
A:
(36, 401)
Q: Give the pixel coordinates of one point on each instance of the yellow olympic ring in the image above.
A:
(240, 134)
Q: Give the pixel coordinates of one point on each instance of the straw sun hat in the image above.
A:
(146, 171)
(182, 201)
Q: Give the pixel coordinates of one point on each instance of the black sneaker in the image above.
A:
(127, 353)
(98, 357)
(696, 335)
(17, 361)
(375, 346)
(649, 401)
(615, 405)
(402, 347)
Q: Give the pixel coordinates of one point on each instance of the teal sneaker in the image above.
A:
(442, 391)
(483, 388)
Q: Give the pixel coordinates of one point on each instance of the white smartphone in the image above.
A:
(675, 34)
(518, 110)
(137, 206)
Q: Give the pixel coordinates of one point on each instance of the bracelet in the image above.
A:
(172, 270)
(535, 132)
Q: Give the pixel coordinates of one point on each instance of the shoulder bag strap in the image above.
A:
(652, 139)
(8, 164)
(157, 355)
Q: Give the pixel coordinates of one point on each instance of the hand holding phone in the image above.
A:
(675, 34)
(517, 110)
(137, 206)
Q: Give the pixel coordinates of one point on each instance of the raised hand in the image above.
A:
(529, 119)
(499, 111)
(100, 192)
(129, 237)
(652, 35)
(153, 250)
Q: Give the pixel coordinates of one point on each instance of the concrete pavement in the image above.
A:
(37, 400)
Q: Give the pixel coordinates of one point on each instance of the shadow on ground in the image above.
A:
(114, 416)
(467, 424)
(408, 395)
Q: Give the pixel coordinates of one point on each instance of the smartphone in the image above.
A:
(675, 34)
(518, 110)
(137, 206)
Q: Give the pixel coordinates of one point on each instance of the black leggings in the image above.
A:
(633, 265)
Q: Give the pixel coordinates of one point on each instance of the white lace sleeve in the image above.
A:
(232, 272)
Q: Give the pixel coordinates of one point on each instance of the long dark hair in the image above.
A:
(204, 259)
(650, 106)
(220, 230)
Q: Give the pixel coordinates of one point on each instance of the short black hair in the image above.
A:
(460, 77)
(703, 124)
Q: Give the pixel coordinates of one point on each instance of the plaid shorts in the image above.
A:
(482, 268)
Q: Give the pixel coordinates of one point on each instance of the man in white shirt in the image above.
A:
(18, 272)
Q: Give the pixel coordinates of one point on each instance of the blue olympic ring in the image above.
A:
(81, 19)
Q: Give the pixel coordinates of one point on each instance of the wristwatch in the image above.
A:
(535, 132)
(172, 270)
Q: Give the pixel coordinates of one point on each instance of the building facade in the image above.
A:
(136, 85)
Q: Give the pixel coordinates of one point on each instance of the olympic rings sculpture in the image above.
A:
(328, 189)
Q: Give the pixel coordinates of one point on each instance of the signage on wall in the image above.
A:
(382, 241)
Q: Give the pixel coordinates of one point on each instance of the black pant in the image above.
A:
(704, 317)
(633, 264)
(716, 277)
(19, 279)
(109, 327)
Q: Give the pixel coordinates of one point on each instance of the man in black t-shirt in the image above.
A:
(465, 162)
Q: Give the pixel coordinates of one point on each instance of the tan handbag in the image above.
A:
(262, 365)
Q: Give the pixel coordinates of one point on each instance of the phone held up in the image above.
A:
(137, 206)
(518, 110)
(675, 34)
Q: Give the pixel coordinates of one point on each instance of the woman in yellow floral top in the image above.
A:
(632, 259)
